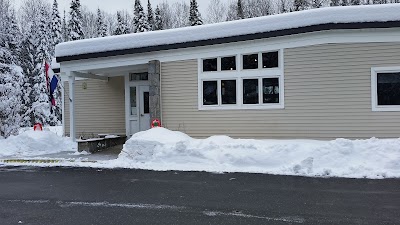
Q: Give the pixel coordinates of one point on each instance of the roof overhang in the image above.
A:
(238, 38)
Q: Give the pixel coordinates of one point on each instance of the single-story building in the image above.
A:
(321, 74)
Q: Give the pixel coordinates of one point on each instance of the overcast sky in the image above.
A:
(113, 6)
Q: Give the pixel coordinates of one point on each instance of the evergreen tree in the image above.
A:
(122, 27)
(75, 21)
(64, 29)
(355, 2)
(300, 5)
(316, 4)
(239, 10)
(11, 77)
(150, 16)
(195, 16)
(158, 22)
(56, 27)
(345, 3)
(101, 25)
(140, 20)
(335, 3)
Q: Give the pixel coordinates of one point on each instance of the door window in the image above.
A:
(146, 103)
(133, 103)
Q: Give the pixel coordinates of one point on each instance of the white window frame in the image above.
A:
(239, 74)
(374, 89)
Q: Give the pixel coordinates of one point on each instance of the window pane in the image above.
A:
(250, 91)
(139, 76)
(388, 88)
(210, 65)
(271, 90)
(146, 103)
(250, 61)
(210, 96)
(228, 91)
(270, 59)
(228, 63)
(133, 101)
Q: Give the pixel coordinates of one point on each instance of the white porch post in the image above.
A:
(71, 82)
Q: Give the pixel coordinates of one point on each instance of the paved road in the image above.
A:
(54, 196)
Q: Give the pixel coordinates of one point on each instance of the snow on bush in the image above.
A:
(33, 143)
(162, 149)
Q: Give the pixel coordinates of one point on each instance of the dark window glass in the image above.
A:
(139, 76)
(388, 88)
(228, 91)
(210, 96)
(210, 65)
(228, 63)
(250, 61)
(270, 90)
(270, 60)
(250, 91)
(146, 102)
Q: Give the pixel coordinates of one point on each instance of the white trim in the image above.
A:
(262, 45)
(374, 89)
(72, 128)
(239, 74)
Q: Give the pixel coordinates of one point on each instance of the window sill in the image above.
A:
(386, 108)
(242, 107)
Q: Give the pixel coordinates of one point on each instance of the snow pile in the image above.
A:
(162, 149)
(328, 15)
(34, 143)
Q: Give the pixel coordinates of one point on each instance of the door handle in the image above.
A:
(141, 115)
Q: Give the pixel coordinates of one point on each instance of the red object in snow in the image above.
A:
(38, 127)
(155, 123)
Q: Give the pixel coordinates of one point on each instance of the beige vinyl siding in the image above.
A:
(99, 109)
(327, 95)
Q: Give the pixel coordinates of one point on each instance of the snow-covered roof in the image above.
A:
(350, 17)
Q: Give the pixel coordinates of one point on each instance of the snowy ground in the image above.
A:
(162, 149)
(34, 143)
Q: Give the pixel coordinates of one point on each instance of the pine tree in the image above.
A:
(150, 16)
(335, 3)
(195, 16)
(140, 20)
(101, 25)
(158, 22)
(345, 3)
(316, 4)
(300, 5)
(355, 2)
(239, 10)
(11, 77)
(64, 29)
(75, 22)
(122, 27)
(56, 28)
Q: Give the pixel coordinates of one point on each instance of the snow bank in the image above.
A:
(162, 149)
(349, 14)
(55, 129)
(33, 143)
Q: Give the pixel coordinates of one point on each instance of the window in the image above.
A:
(242, 81)
(138, 76)
(385, 89)
(270, 90)
(270, 60)
(250, 61)
(133, 101)
(250, 91)
(146, 102)
(210, 93)
(210, 65)
(228, 91)
(228, 63)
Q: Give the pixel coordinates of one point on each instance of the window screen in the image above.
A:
(228, 91)
(270, 90)
(210, 64)
(210, 95)
(250, 91)
(388, 85)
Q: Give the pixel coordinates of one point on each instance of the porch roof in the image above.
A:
(323, 19)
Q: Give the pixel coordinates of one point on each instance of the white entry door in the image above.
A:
(144, 108)
(139, 109)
